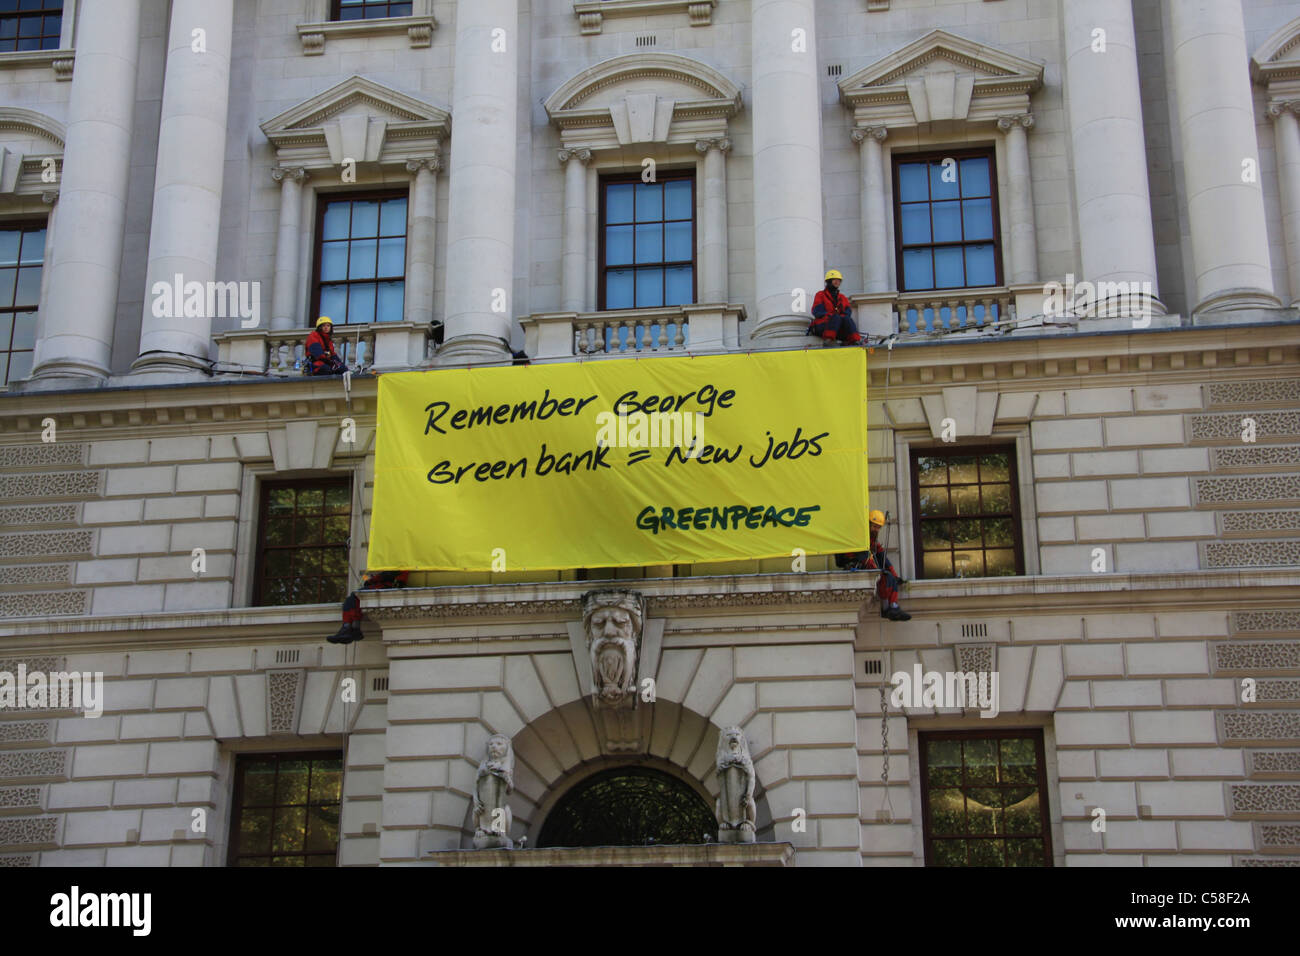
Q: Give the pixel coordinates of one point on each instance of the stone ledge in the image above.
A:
(314, 35)
(591, 15)
(709, 854)
(61, 61)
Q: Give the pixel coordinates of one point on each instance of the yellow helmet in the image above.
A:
(322, 320)
(833, 274)
(877, 518)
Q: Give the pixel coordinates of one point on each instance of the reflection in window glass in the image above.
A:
(947, 237)
(286, 810)
(647, 243)
(966, 512)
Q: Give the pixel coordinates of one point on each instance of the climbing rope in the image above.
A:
(887, 805)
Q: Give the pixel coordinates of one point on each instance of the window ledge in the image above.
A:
(591, 15)
(61, 61)
(418, 29)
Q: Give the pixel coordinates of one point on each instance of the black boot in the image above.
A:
(348, 633)
(898, 614)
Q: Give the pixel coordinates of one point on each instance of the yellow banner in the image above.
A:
(621, 462)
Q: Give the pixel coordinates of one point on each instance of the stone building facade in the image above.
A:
(1145, 633)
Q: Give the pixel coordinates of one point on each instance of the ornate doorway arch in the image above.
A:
(629, 805)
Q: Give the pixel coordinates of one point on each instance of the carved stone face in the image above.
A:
(733, 743)
(497, 748)
(610, 623)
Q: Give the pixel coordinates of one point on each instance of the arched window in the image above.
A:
(629, 806)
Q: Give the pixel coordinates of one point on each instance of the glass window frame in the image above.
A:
(924, 737)
(336, 10)
(20, 15)
(897, 160)
(22, 226)
(261, 548)
(323, 202)
(241, 761)
(662, 176)
(1010, 449)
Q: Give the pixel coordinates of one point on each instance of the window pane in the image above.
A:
(365, 218)
(981, 756)
(947, 811)
(333, 261)
(618, 245)
(618, 289)
(932, 471)
(337, 500)
(948, 272)
(361, 303)
(392, 257)
(978, 218)
(918, 272)
(1025, 852)
(943, 181)
(966, 534)
(985, 852)
(997, 531)
(277, 563)
(677, 242)
(649, 288)
(8, 279)
(1019, 760)
(389, 307)
(24, 330)
(334, 302)
(255, 831)
(6, 324)
(392, 217)
(975, 176)
(649, 244)
(306, 531)
(34, 247)
(934, 501)
(995, 467)
(677, 199)
(361, 261)
(938, 564)
(980, 266)
(968, 564)
(291, 782)
(912, 182)
(259, 784)
(308, 560)
(618, 202)
(943, 759)
(677, 283)
(936, 534)
(335, 225)
(28, 290)
(649, 202)
(916, 223)
(997, 498)
(965, 499)
(999, 563)
(947, 221)
(962, 470)
(290, 830)
(20, 366)
(279, 531)
(311, 501)
(322, 828)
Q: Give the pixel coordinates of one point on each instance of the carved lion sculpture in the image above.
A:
(495, 780)
(735, 806)
(612, 621)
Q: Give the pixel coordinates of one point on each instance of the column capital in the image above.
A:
(1278, 107)
(720, 143)
(297, 174)
(432, 163)
(860, 133)
(1010, 121)
(580, 153)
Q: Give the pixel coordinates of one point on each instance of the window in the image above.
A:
(361, 258)
(947, 226)
(302, 550)
(22, 254)
(647, 246)
(30, 25)
(368, 9)
(984, 799)
(967, 512)
(629, 806)
(286, 809)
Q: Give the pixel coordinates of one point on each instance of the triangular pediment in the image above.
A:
(942, 52)
(355, 96)
(1278, 57)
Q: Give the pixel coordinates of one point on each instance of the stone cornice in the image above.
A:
(592, 14)
(1059, 360)
(418, 29)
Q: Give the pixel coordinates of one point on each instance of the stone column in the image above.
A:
(421, 230)
(573, 275)
(1286, 134)
(74, 331)
(1024, 248)
(51, 198)
(875, 222)
(187, 186)
(788, 243)
(713, 225)
(481, 210)
(284, 294)
(1217, 128)
(1112, 198)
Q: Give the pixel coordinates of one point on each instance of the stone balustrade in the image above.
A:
(382, 346)
(671, 329)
